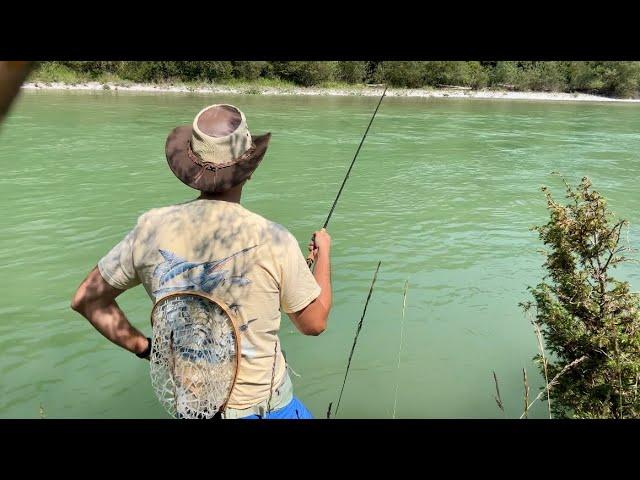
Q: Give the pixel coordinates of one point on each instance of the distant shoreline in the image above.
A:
(319, 91)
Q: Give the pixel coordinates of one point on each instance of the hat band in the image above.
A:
(195, 158)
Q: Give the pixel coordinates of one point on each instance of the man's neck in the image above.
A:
(232, 195)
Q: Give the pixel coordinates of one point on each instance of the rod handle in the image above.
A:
(310, 257)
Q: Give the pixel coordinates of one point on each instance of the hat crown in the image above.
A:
(220, 134)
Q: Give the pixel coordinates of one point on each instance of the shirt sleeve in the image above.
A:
(117, 267)
(298, 287)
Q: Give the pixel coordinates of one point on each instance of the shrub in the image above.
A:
(248, 70)
(505, 73)
(351, 72)
(401, 74)
(584, 77)
(305, 73)
(621, 79)
(545, 76)
(584, 311)
(54, 72)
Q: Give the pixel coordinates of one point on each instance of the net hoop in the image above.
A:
(233, 323)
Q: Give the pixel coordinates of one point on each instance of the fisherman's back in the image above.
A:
(253, 265)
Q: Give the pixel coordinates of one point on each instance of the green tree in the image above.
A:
(351, 72)
(505, 73)
(249, 70)
(584, 311)
(585, 77)
(621, 79)
(545, 76)
(305, 73)
(401, 74)
(466, 74)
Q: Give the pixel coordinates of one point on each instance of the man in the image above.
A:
(265, 272)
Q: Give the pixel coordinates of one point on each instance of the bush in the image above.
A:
(248, 70)
(505, 73)
(93, 69)
(441, 73)
(401, 74)
(216, 70)
(544, 76)
(584, 311)
(185, 71)
(142, 71)
(305, 73)
(584, 77)
(475, 75)
(54, 72)
(419, 74)
(351, 72)
(621, 79)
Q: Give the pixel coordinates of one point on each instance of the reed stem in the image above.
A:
(498, 398)
(404, 306)
(355, 339)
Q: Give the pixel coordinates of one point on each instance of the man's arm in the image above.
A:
(312, 320)
(95, 300)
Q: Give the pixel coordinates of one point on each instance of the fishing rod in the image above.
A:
(335, 202)
(355, 340)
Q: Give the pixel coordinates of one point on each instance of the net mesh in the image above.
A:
(193, 360)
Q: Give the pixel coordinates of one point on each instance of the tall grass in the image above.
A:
(404, 307)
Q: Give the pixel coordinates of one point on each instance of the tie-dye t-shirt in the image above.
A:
(254, 265)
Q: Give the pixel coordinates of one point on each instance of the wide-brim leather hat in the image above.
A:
(216, 152)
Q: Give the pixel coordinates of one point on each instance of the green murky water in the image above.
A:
(444, 193)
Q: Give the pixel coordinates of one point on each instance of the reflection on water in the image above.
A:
(443, 192)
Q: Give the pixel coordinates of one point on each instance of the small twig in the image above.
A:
(498, 398)
(329, 410)
(293, 371)
(526, 393)
(404, 306)
(544, 362)
(554, 381)
(619, 372)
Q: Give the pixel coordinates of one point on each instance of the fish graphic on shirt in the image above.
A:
(177, 273)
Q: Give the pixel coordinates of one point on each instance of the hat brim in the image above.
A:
(214, 180)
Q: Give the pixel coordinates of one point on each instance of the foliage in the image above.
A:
(351, 72)
(401, 74)
(584, 310)
(305, 73)
(619, 79)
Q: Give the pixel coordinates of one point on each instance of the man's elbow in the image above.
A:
(316, 328)
(78, 302)
(314, 331)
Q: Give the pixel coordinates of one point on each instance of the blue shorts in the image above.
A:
(294, 410)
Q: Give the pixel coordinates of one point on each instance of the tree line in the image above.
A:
(616, 79)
